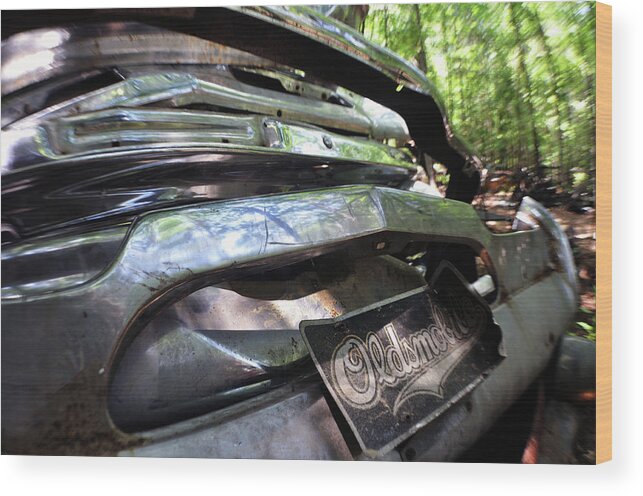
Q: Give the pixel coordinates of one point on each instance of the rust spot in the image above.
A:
(330, 303)
(74, 422)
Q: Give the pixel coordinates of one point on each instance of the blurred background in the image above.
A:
(518, 84)
(518, 79)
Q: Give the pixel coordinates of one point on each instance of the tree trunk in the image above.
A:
(524, 75)
(386, 26)
(560, 99)
(421, 56)
(448, 59)
(587, 51)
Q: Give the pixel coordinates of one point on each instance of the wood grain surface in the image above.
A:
(603, 232)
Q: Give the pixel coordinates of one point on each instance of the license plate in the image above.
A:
(395, 366)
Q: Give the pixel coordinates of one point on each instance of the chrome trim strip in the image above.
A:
(148, 79)
(181, 89)
(102, 133)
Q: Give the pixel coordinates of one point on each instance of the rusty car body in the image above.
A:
(183, 187)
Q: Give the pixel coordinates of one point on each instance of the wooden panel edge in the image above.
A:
(603, 232)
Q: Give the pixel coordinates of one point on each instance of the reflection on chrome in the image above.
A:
(171, 213)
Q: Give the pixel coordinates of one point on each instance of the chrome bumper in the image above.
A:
(60, 341)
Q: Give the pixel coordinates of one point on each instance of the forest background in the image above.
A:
(518, 81)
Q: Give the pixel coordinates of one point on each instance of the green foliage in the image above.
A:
(517, 79)
(586, 325)
(587, 329)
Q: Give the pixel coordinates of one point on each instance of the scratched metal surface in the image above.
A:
(94, 320)
(144, 205)
(396, 365)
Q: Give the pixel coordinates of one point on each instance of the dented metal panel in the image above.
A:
(247, 330)
(285, 425)
(528, 344)
(154, 268)
(174, 211)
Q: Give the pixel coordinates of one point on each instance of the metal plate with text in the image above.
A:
(396, 365)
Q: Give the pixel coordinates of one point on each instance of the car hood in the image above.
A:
(321, 46)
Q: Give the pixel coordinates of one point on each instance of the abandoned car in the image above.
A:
(219, 241)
